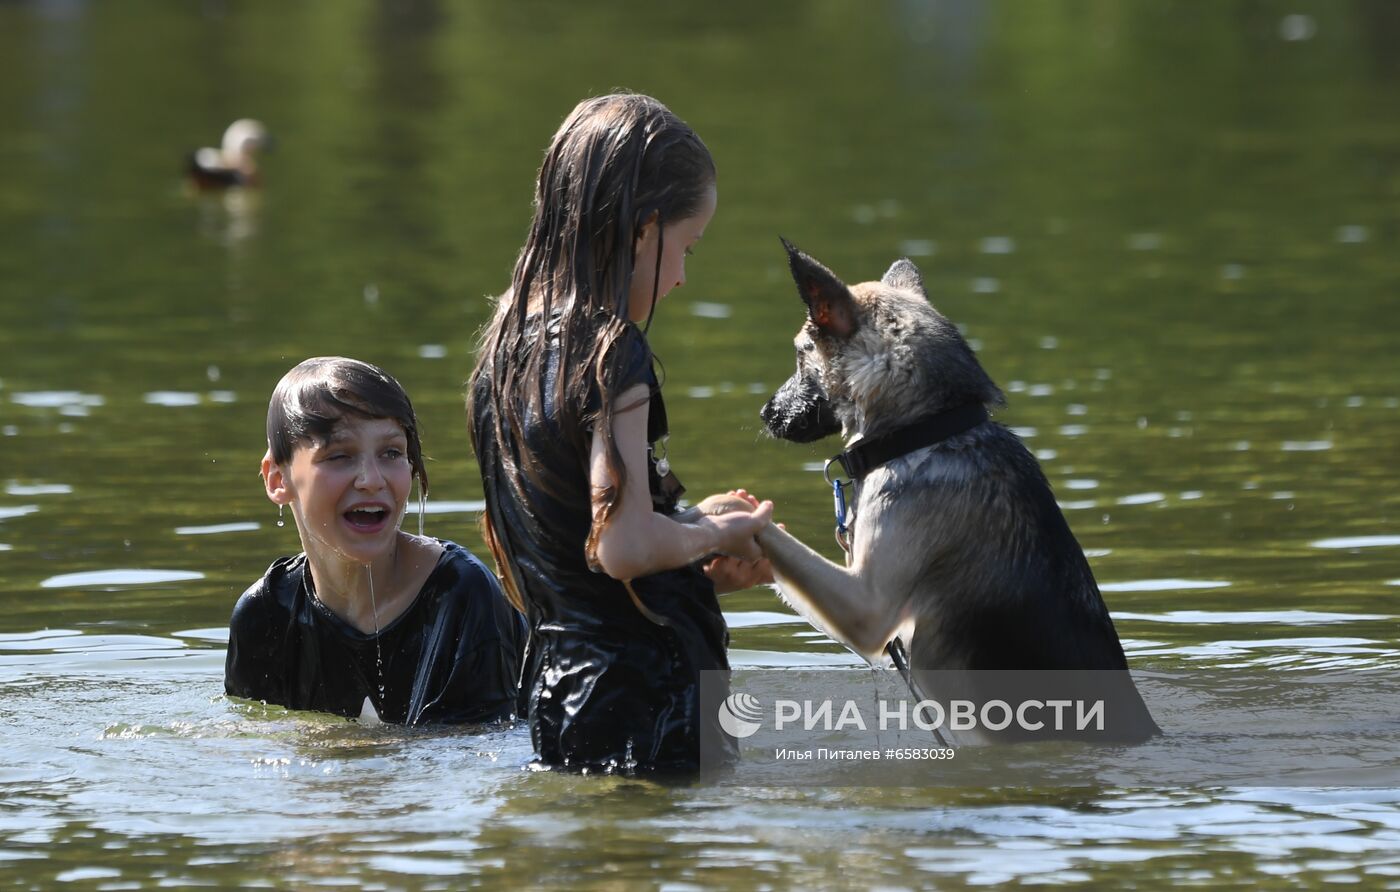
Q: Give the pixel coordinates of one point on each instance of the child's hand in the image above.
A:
(737, 530)
(732, 574)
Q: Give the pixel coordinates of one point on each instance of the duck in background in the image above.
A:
(235, 162)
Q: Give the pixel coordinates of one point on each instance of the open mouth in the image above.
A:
(366, 518)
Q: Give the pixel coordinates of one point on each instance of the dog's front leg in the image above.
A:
(837, 600)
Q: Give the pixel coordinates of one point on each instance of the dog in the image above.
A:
(959, 557)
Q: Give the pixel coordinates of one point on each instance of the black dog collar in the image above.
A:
(867, 455)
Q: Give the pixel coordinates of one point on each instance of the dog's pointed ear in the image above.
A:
(829, 302)
(904, 274)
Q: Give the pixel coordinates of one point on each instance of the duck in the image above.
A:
(235, 162)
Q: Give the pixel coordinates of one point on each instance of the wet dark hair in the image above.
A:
(318, 393)
(617, 163)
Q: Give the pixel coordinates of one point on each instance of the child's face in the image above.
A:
(681, 236)
(349, 494)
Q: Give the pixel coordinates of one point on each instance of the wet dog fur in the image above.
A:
(960, 555)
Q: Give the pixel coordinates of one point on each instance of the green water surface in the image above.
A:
(1170, 230)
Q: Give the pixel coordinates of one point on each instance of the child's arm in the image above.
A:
(638, 541)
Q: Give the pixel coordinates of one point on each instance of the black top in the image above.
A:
(452, 656)
(607, 686)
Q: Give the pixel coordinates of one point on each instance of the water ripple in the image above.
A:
(1161, 585)
(37, 489)
(175, 399)
(119, 578)
(710, 310)
(1357, 542)
(1142, 498)
(1284, 617)
(742, 658)
(752, 618)
(57, 399)
(475, 506)
(236, 527)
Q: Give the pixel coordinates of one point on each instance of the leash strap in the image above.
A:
(868, 455)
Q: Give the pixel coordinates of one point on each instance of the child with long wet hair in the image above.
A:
(565, 409)
(368, 619)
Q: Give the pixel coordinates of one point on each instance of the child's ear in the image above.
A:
(279, 488)
(644, 231)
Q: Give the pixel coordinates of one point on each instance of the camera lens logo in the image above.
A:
(740, 715)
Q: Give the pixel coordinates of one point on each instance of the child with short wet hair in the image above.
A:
(367, 617)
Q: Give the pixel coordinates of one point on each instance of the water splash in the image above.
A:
(369, 715)
(378, 648)
(422, 510)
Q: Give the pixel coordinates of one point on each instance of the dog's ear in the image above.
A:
(829, 302)
(905, 275)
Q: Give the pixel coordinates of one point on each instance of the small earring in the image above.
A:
(280, 521)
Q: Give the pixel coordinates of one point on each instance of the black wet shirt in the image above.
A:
(452, 656)
(606, 685)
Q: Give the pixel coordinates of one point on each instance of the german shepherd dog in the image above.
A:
(959, 557)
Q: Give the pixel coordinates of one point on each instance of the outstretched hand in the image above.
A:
(734, 572)
(737, 529)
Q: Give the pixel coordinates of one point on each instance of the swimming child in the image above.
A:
(367, 616)
(564, 408)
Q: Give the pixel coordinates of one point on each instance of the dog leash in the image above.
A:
(867, 455)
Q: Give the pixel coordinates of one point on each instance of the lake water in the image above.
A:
(1169, 228)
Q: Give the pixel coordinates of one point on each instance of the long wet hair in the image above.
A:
(617, 163)
(317, 393)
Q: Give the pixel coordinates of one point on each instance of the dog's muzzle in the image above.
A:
(799, 412)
